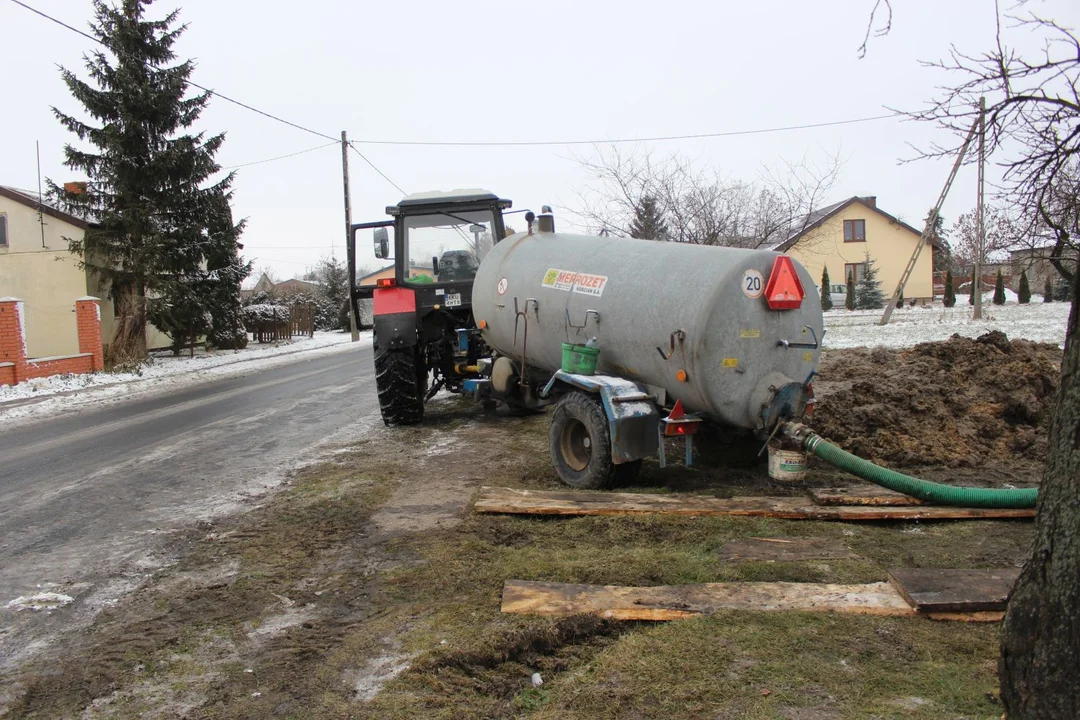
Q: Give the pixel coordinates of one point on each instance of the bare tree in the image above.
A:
(1001, 231)
(700, 206)
(1033, 129)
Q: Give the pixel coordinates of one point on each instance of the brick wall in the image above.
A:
(15, 367)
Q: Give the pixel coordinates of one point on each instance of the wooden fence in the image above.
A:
(299, 321)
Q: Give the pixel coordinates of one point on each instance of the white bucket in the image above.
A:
(786, 465)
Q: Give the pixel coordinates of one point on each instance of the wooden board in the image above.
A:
(861, 495)
(678, 602)
(789, 549)
(536, 502)
(946, 591)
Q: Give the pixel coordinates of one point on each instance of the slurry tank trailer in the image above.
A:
(633, 341)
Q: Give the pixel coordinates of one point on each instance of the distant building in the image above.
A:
(1036, 263)
(388, 272)
(285, 288)
(841, 235)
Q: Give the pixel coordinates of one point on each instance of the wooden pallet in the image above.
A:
(535, 502)
(679, 602)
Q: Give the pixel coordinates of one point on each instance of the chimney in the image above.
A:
(870, 200)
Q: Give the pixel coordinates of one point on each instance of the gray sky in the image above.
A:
(504, 71)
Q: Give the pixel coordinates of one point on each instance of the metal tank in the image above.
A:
(730, 356)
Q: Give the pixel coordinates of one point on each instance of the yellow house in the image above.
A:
(840, 237)
(37, 268)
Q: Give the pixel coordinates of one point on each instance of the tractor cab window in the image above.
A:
(447, 246)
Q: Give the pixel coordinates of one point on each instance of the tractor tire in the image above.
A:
(401, 382)
(580, 444)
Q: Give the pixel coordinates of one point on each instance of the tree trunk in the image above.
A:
(129, 334)
(1040, 651)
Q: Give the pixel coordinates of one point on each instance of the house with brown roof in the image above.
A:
(840, 237)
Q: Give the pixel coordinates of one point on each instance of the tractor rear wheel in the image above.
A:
(401, 381)
(580, 444)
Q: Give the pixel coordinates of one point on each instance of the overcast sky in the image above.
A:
(507, 71)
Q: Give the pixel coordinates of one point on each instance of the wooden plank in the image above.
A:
(861, 495)
(789, 549)
(537, 502)
(948, 591)
(677, 602)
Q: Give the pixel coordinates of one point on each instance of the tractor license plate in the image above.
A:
(452, 300)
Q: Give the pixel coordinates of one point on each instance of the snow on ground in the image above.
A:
(1037, 321)
(41, 397)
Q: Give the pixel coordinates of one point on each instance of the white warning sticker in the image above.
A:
(502, 286)
(753, 284)
(581, 283)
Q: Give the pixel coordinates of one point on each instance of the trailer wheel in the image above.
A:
(400, 381)
(580, 444)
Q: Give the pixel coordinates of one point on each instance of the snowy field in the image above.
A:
(62, 393)
(1037, 321)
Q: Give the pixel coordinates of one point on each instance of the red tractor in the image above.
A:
(425, 338)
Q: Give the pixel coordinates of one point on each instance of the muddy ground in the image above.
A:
(365, 588)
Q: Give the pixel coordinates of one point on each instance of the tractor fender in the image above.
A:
(395, 318)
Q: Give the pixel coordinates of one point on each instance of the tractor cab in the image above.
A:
(422, 314)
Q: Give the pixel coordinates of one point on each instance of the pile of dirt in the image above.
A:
(961, 403)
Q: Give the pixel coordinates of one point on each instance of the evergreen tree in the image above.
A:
(648, 222)
(1024, 292)
(868, 295)
(226, 271)
(147, 181)
(1062, 290)
(1048, 291)
(999, 289)
(849, 298)
(826, 296)
(333, 294)
(950, 290)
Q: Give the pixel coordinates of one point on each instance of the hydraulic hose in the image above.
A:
(931, 492)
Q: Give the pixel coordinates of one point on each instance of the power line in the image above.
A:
(226, 98)
(280, 157)
(658, 138)
(384, 177)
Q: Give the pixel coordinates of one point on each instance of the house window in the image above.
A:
(854, 271)
(3, 231)
(854, 231)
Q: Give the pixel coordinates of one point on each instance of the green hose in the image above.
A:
(923, 489)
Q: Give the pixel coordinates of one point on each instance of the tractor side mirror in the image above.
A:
(435, 266)
(382, 243)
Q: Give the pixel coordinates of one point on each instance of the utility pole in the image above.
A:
(350, 250)
(980, 228)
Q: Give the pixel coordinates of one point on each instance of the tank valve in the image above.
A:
(529, 217)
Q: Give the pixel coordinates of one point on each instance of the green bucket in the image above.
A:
(578, 359)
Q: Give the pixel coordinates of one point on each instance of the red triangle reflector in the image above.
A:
(677, 412)
(784, 291)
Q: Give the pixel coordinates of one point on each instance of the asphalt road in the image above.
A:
(88, 501)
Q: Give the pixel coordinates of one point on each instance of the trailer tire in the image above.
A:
(580, 444)
(400, 382)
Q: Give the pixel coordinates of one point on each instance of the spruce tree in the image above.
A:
(333, 293)
(226, 270)
(147, 187)
(868, 295)
(849, 298)
(950, 290)
(1048, 291)
(999, 289)
(1024, 291)
(648, 222)
(826, 296)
